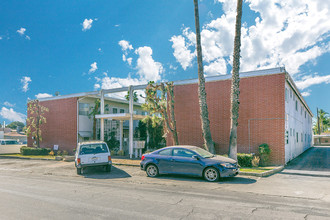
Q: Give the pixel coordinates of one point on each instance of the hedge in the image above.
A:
(245, 160)
(34, 151)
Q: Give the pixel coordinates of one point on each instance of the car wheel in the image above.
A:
(152, 170)
(108, 168)
(79, 171)
(211, 174)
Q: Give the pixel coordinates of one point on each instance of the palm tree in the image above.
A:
(204, 113)
(235, 84)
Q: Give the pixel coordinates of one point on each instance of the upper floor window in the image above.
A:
(114, 110)
(297, 137)
(290, 93)
(286, 94)
(122, 111)
(296, 105)
(83, 109)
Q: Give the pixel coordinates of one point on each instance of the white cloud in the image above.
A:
(181, 52)
(21, 31)
(305, 94)
(125, 45)
(11, 115)
(25, 82)
(96, 86)
(43, 95)
(93, 68)
(0, 37)
(148, 69)
(312, 80)
(116, 82)
(8, 104)
(100, 49)
(87, 24)
(129, 61)
(290, 33)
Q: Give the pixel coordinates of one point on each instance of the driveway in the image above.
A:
(314, 161)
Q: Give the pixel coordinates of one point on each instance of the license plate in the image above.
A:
(94, 159)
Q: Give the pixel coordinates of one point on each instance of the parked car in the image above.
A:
(8, 142)
(188, 160)
(91, 154)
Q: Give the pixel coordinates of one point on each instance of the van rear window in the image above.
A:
(93, 149)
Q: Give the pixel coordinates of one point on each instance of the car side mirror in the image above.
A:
(195, 157)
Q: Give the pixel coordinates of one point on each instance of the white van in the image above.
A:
(90, 154)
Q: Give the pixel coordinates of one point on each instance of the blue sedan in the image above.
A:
(188, 160)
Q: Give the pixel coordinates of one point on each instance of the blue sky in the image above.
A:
(78, 46)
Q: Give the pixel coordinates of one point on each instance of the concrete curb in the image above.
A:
(24, 158)
(306, 174)
(125, 164)
(263, 174)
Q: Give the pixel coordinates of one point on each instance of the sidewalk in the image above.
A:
(306, 173)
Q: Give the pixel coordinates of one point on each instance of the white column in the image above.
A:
(131, 121)
(102, 120)
(121, 134)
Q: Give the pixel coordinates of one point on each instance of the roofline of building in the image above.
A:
(178, 82)
(296, 90)
(255, 73)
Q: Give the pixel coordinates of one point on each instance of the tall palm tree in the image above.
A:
(204, 113)
(235, 84)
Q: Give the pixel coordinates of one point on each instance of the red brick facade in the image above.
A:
(261, 114)
(61, 126)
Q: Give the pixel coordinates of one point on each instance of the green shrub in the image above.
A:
(264, 152)
(244, 160)
(34, 151)
(121, 153)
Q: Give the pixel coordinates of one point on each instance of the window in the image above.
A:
(296, 105)
(297, 137)
(93, 149)
(122, 111)
(182, 153)
(302, 137)
(290, 131)
(286, 137)
(290, 93)
(286, 94)
(114, 110)
(83, 109)
(166, 152)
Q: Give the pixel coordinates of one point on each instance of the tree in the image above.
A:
(235, 84)
(135, 97)
(160, 100)
(323, 122)
(204, 113)
(35, 120)
(95, 110)
(15, 124)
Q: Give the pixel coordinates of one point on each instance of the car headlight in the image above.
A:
(227, 165)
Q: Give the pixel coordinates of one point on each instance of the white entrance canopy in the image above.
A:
(122, 116)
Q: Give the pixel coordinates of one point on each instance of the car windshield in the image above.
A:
(9, 142)
(202, 152)
(93, 149)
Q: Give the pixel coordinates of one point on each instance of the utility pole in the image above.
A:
(318, 122)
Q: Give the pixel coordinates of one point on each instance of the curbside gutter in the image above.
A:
(263, 174)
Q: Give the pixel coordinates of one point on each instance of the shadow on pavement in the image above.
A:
(314, 159)
(229, 180)
(100, 173)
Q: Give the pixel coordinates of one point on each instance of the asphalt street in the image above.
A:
(31, 189)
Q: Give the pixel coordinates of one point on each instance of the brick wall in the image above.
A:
(261, 114)
(61, 126)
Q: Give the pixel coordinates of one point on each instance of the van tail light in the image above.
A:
(78, 160)
(142, 158)
(109, 158)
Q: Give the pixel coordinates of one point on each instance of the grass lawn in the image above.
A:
(256, 169)
(29, 156)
